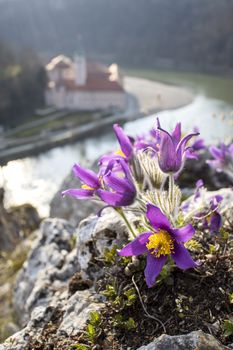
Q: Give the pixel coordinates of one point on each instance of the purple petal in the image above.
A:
(137, 246)
(191, 154)
(153, 268)
(119, 184)
(199, 184)
(157, 219)
(116, 199)
(215, 222)
(216, 152)
(176, 134)
(182, 144)
(167, 154)
(78, 193)
(183, 234)
(182, 257)
(123, 140)
(218, 198)
(88, 177)
(125, 168)
(198, 145)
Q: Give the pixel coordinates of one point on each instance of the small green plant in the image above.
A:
(80, 347)
(110, 255)
(224, 233)
(94, 318)
(228, 327)
(212, 248)
(120, 322)
(91, 332)
(230, 297)
(110, 292)
(131, 296)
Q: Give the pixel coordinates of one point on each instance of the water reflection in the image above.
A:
(36, 179)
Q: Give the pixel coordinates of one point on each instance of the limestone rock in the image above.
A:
(61, 252)
(49, 259)
(94, 235)
(196, 340)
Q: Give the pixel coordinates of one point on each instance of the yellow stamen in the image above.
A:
(86, 187)
(161, 243)
(120, 153)
(209, 217)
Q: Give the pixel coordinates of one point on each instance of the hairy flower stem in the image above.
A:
(123, 216)
(171, 189)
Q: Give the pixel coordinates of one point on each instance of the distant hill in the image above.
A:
(184, 33)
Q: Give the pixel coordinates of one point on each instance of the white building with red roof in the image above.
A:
(79, 84)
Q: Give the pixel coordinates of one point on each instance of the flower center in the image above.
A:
(86, 187)
(160, 243)
(120, 153)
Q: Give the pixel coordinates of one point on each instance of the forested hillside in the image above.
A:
(22, 84)
(193, 32)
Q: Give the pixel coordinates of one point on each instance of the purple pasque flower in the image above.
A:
(193, 151)
(114, 184)
(125, 151)
(150, 141)
(213, 221)
(171, 155)
(199, 186)
(118, 188)
(126, 147)
(223, 157)
(161, 242)
(90, 183)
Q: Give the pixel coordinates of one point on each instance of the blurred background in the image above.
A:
(70, 69)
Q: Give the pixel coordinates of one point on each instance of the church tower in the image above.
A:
(80, 64)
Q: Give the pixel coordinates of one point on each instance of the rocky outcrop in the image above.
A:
(192, 341)
(54, 295)
(56, 278)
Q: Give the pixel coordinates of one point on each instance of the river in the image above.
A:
(35, 179)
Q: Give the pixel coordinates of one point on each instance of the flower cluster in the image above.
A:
(140, 177)
(223, 159)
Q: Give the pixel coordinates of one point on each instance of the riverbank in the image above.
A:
(144, 98)
(218, 87)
